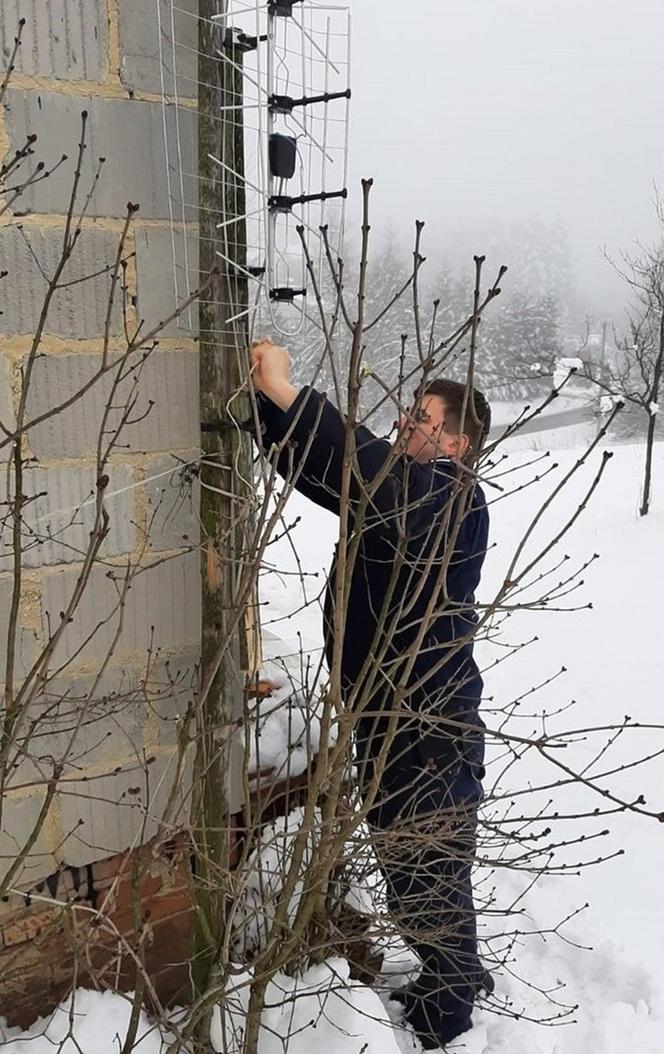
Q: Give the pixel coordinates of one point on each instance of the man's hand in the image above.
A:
(270, 365)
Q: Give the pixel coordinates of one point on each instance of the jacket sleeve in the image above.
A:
(317, 443)
(275, 425)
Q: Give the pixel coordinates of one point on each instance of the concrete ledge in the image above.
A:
(19, 816)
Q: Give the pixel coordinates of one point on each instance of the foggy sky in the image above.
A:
(468, 112)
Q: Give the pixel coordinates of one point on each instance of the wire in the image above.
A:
(53, 514)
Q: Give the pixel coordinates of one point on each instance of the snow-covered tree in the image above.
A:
(520, 343)
(635, 375)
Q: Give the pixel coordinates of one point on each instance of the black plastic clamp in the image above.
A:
(286, 103)
(286, 295)
(282, 8)
(236, 271)
(284, 202)
(236, 40)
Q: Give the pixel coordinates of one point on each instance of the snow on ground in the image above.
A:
(610, 962)
(98, 1025)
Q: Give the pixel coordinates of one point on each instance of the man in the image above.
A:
(417, 537)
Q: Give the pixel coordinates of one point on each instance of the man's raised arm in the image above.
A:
(317, 429)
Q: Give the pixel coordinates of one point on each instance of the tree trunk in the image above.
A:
(652, 421)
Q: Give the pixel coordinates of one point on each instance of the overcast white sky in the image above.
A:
(472, 110)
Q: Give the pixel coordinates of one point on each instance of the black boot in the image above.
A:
(424, 1017)
(485, 985)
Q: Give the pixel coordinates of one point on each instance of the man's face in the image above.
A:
(423, 435)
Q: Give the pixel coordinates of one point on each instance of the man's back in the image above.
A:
(396, 577)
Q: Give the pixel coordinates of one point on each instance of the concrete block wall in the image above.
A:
(102, 56)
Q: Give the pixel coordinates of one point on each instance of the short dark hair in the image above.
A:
(476, 425)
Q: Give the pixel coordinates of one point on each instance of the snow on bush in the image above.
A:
(563, 368)
(321, 1011)
(283, 732)
(265, 874)
(607, 403)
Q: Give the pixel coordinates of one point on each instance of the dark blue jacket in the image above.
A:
(401, 528)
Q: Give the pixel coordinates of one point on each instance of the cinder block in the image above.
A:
(130, 134)
(19, 816)
(158, 54)
(116, 810)
(171, 691)
(162, 610)
(60, 514)
(65, 39)
(168, 379)
(77, 311)
(82, 724)
(173, 499)
(26, 652)
(167, 269)
(7, 415)
(72, 432)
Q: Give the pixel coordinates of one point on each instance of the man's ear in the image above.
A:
(461, 445)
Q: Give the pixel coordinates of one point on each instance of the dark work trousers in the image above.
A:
(423, 826)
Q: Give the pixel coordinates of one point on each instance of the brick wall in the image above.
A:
(92, 933)
(101, 56)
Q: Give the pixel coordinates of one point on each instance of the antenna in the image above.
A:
(294, 59)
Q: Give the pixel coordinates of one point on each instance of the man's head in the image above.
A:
(433, 426)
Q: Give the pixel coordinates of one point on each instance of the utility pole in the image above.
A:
(223, 338)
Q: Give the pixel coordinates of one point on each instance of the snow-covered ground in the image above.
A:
(608, 961)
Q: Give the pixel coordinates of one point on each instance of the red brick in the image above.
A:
(173, 985)
(123, 897)
(110, 867)
(27, 928)
(171, 902)
(171, 942)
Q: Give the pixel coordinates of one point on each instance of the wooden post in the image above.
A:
(223, 347)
